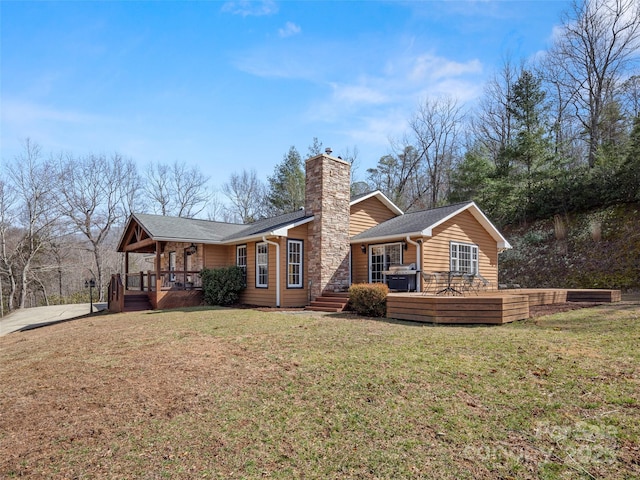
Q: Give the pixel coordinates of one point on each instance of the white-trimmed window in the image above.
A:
(241, 261)
(262, 265)
(464, 257)
(294, 264)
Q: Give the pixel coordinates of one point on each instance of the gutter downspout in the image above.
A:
(418, 262)
(264, 239)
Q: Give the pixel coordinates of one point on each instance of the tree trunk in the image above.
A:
(98, 258)
(23, 286)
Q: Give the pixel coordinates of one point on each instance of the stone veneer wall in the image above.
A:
(327, 197)
(178, 247)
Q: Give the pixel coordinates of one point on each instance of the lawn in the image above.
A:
(224, 393)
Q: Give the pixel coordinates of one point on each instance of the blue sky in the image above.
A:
(229, 86)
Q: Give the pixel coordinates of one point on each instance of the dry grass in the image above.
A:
(215, 393)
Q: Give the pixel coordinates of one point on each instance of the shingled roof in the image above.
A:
(422, 223)
(177, 229)
(162, 228)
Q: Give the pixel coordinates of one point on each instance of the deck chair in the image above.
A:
(481, 283)
(468, 283)
(428, 282)
(434, 282)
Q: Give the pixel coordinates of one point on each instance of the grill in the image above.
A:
(401, 277)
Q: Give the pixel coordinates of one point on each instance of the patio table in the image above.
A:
(451, 275)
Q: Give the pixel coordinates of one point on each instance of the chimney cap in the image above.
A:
(328, 150)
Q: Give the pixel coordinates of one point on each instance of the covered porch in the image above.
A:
(164, 274)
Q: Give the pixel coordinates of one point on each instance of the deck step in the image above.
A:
(312, 308)
(136, 303)
(329, 302)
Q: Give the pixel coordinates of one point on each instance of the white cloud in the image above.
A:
(357, 94)
(248, 8)
(431, 67)
(290, 29)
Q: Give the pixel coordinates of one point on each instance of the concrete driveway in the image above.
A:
(36, 317)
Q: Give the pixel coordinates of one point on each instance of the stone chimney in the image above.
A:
(327, 197)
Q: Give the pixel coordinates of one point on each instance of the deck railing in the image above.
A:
(170, 280)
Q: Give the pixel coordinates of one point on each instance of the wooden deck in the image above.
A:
(492, 307)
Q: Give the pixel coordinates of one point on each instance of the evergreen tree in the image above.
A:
(469, 181)
(629, 174)
(315, 148)
(286, 185)
(531, 147)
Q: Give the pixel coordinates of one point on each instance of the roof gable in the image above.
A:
(380, 196)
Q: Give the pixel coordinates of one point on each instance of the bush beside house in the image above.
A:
(369, 299)
(222, 286)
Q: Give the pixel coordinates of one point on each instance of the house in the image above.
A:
(293, 259)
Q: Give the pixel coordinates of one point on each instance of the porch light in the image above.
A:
(363, 248)
(405, 245)
(190, 250)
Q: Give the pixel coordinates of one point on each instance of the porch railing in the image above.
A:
(115, 297)
(170, 280)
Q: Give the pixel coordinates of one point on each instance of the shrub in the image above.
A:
(369, 299)
(222, 285)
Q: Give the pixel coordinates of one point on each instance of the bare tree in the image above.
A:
(436, 134)
(158, 188)
(598, 43)
(190, 190)
(92, 191)
(7, 250)
(30, 176)
(217, 211)
(176, 190)
(247, 196)
(493, 123)
(565, 129)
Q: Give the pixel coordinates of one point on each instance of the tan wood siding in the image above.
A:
(367, 214)
(259, 296)
(219, 256)
(359, 265)
(462, 228)
(295, 297)
(360, 261)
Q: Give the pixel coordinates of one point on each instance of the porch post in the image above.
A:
(126, 269)
(158, 259)
(184, 267)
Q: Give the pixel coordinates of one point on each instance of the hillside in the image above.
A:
(597, 249)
